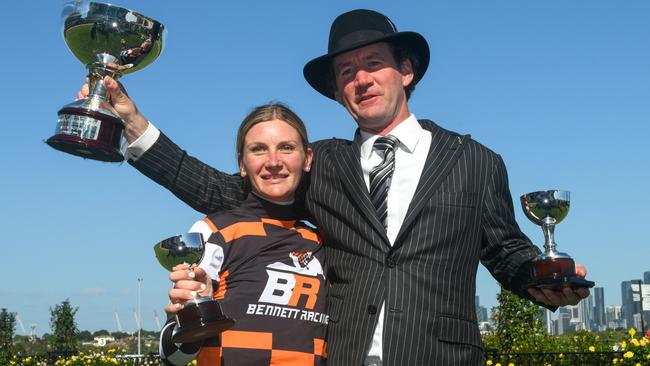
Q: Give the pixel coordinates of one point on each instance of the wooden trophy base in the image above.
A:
(88, 134)
(557, 273)
(200, 320)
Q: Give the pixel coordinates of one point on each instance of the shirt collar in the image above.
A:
(408, 132)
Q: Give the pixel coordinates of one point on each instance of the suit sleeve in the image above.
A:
(202, 187)
(506, 251)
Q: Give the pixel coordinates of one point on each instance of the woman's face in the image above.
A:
(273, 159)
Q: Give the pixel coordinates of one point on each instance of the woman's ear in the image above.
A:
(308, 158)
(242, 168)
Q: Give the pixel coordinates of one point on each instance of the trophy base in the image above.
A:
(200, 320)
(556, 273)
(88, 134)
(560, 282)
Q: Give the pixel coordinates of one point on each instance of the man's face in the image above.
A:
(370, 85)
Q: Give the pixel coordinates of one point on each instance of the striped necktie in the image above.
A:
(380, 176)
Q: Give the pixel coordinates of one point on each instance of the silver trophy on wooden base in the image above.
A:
(552, 269)
(109, 41)
(202, 317)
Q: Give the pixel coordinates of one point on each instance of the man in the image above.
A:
(407, 209)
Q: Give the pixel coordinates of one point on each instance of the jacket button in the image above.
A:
(372, 309)
(390, 262)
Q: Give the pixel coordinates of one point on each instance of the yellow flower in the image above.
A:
(615, 361)
(511, 364)
(635, 342)
(489, 363)
(498, 364)
(638, 364)
(623, 345)
(632, 332)
(561, 355)
(628, 354)
(592, 349)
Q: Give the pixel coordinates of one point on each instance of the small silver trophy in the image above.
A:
(202, 317)
(552, 269)
(109, 41)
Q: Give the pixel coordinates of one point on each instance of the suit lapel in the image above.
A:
(445, 149)
(348, 164)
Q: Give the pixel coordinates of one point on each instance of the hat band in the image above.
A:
(356, 38)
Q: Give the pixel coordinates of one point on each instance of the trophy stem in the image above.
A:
(96, 73)
(549, 232)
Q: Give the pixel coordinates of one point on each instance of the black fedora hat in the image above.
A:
(356, 29)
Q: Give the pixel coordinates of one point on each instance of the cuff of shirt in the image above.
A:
(140, 146)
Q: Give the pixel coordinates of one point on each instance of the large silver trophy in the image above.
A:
(552, 269)
(202, 317)
(111, 41)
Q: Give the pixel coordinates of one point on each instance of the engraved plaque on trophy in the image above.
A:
(202, 317)
(109, 41)
(552, 269)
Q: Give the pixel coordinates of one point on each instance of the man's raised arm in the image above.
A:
(202, 187)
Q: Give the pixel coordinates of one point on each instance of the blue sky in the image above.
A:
(561, 89)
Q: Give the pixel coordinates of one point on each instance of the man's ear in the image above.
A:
(337, 96)
(406, 69)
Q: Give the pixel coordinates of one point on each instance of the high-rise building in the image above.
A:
(613, 317)
(584, 317)
(563, 322)
(599, 308)
(481, 311)
(646, 314)
(484, 317)
(629, 307)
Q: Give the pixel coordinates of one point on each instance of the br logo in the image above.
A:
(296, 284)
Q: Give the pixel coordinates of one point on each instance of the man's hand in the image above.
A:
(135, 123)
(190, 282)
(566, 296)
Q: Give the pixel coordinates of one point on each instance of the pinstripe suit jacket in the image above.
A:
(461, 214)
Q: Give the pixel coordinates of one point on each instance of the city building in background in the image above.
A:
(591, 314)
(599, 309)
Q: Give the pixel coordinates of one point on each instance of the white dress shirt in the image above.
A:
(138, 147)
(410, 156)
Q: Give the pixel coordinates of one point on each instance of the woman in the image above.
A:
(261, 262)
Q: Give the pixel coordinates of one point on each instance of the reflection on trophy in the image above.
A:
(110, 41)
(200, 318)
(552, 269)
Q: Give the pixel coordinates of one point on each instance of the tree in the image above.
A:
(101, 332)
(64, 328)
(85, 336)
(518, 326)
(7, 326)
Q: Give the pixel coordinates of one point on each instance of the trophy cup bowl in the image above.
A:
(551, 269)
(110, 41)
(200, 318)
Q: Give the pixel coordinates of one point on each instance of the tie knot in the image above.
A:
(386, 142)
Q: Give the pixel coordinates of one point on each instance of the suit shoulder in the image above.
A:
(328, 146)
(331, 142)
(472, 146)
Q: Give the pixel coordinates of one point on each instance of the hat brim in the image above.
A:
(317, 71)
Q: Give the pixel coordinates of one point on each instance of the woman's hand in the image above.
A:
(190, 282)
